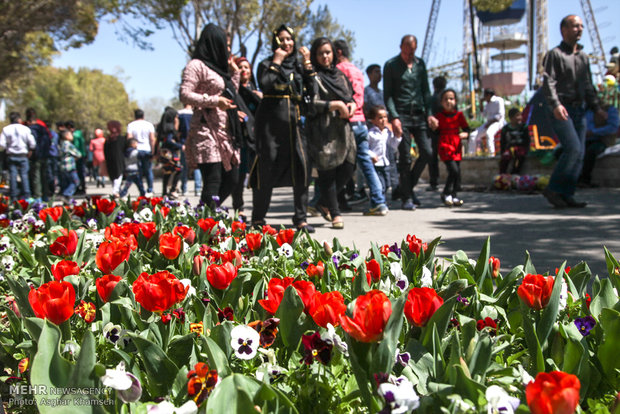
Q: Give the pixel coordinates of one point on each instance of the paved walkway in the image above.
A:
(515, 222)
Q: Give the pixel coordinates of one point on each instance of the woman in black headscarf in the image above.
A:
(331, 143)
(281, 158)
(213, 141)
(114, 152)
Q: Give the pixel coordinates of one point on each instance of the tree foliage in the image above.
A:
(88, 97)
(33, 29)
(249, 22)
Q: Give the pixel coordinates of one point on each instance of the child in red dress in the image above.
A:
(451, 123)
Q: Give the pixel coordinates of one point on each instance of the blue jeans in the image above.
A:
(146, 169)
(572, 136)
(19, 165)
(129, 179)
(71, 179)
(360, 130)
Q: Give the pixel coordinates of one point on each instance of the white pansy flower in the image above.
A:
(181, 211)
(399, 395)
(19, 226)
(144, 215)
(92, 223)
(563, 294)
(166, 407)
(244, 341)
(401, 280)
(126, 384)
(286, 250)
(498, 401)
(8, 263)
(5, 244)
(427, 278)
(332, 337)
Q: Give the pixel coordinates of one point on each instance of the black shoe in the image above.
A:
(571, 202)
(306, 227)
(396, 193)
(555, 199)
(416, 200)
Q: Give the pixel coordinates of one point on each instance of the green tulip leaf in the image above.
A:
(606, 298)
(383, 358)
(289, 312)
(550, 312)
(160, 370)
(608, 350)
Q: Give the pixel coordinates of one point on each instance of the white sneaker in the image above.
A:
(149, 195)
(457, 202)
(448, 201)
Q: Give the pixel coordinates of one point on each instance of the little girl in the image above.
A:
(379, 138)
(451, 122)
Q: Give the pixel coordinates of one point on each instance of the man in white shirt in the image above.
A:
(18, 142)
(494, 113)
(143, 132)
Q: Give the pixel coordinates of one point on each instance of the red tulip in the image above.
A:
(206, 224)
(327, 308)
(373, 271)
(535, 290)
(494, 262)
(105, 206)
(53, 300)
(316, 270)
(110, 254)
(269, 230)
(148, 229)
(553, 393)
(170, 245)
(221, 276)
(53, 212)
(232, 256)
(415, 244)
(253, 240)
(285, 236)
(159, 291)
(66, 244)
(127, 233)
(65, 268)
(238, 226)
(275, 292)
(370, 315)
(421, 305)
(188, 234)
(105, 285)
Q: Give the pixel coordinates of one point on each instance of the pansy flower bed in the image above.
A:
(152, 305)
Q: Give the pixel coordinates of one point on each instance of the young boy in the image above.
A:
(68, 165)
(132, 172)
(514, 143)
(380, 140)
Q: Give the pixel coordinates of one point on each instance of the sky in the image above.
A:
(377, 26)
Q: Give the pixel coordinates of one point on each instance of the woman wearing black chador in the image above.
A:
(281, 156)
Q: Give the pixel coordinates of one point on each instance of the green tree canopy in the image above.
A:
(88, 97)
(33, 29)
(249, 22)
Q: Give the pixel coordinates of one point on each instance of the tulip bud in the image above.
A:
(327, 248)
(197, 266)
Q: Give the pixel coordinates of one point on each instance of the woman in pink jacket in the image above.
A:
(99, 167)
(212, 144)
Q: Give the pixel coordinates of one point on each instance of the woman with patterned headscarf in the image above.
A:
(281, 156)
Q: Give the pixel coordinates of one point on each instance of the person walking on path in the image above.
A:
(408, 101)
(96, 147)
(281, 153)
(114, 151)
(568, 89)
(210, 82)
(143, 132)
(360, 130)
(19, 143)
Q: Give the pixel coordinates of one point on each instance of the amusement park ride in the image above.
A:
(504, 31)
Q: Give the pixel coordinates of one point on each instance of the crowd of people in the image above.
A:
(306, 114)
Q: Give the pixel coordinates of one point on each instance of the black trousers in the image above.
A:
(453, 182)
(331, 182)
(416, 126)
(217, 182)
(261, 198)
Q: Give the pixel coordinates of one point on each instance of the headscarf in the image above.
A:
(166, 124)
(115, 129)
(98, 133)
(212, 50)
(290, 62)
(331, 77)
